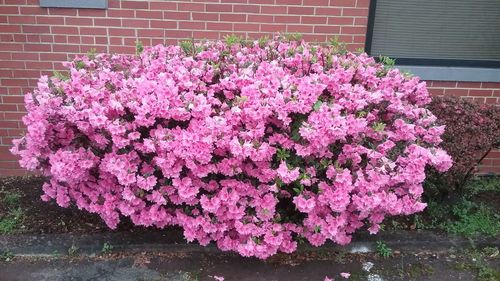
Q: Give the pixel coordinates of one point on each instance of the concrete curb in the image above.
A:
(47, 245)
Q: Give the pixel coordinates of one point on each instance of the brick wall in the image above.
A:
(34, 40)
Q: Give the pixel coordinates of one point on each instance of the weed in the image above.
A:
(233, 39)
(338, 47)
(106, 248)
(473, 219)
(10, 198)
(479, 264)
(7, 256)
(73, 250)
(139, 48)
(189, 276)
(10, 221)
(383, 250)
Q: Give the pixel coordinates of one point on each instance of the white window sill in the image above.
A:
(444, 73)
(85, 4)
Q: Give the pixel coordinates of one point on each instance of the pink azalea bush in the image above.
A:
(251, 146)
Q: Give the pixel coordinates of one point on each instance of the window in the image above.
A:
(88, 4)
(443, 33)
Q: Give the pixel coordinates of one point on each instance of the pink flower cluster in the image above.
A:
(251, 146)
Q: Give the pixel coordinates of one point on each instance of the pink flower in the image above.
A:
(286, 175)
(248, 146)
(345, 275)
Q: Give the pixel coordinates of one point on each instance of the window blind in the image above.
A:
(437, 29)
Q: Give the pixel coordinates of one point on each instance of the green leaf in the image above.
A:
(378, 127)
(317, 105)
(139, 48)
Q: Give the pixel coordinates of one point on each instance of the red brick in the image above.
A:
(8, 107)
(315, 2)
(353, 30)
(93, 13)
(219, 8)
(246, 27)
(121, 13)
(37, 47)
(288, 2)
(340, 21)
(234, 1)
(191, 25)
(343, 3)
(287, 19)
(261, 2)
(176, 15)
(272, 27)
(327, 29)
(93, 31)
(101, 40)
(87, 40)
(191, 7)
(480, 93)
(273, 10)
(10, 10)
(246, 8)
(78, 21)
(436, 91)
(219, 26)
(313, 20)
(206, 34)
(121, 32)
(205, 16)
(39, 65)
(32, 11)
(22, 19)
(301, 10)
(66, 48)
(444, 84)
(107, 22)
(149, 14)
(62, 12)
(151, 33)
(12, 99)
(456, 92)
(260, 18)
(299, 28)
(53, 57)
(239, 17)
(135, 5)
(64, 30)
(178, 34)
(163, 24)
(135, 23)
(356, 12)
(36, 29)
(163, 6)
(329, 11)
(49, 20)
(363, 3)
(490, 85)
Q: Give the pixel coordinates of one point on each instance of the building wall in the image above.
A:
(34, 40)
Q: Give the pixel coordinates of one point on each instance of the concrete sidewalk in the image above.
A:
(162, 256)
(203, 266)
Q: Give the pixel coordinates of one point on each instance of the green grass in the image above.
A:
(383, 250)
(473, 219)
(14, 215)
(474, 213)
(478, 263)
